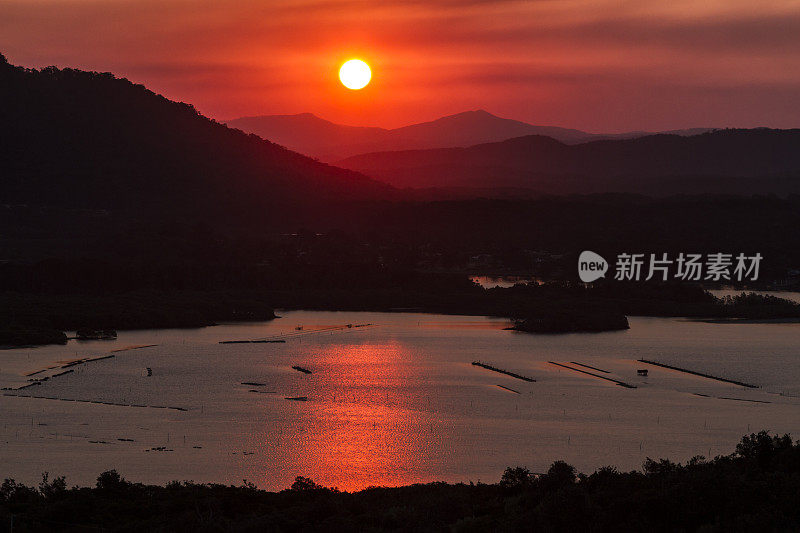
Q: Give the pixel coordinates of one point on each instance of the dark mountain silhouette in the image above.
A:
(90, 140)
(309, 134)
(463, 128)
(722, 161)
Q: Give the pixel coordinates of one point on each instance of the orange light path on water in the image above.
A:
(367, 433)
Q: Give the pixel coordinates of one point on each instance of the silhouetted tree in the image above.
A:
(52, 489)
(559, 474)
(110, 480)
(762, 447)
(303, 483)
(515, 478)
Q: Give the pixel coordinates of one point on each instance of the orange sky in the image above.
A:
(596, 65)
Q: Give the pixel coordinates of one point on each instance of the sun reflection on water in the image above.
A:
(363, 424)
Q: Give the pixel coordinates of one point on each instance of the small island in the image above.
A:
(14, 335)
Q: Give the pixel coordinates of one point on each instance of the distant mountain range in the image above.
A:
(88, 140)
(327, 141)
(732, 161)
(79, 140)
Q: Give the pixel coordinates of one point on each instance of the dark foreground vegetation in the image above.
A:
(754, 489)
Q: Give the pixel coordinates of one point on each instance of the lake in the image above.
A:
(392, 400)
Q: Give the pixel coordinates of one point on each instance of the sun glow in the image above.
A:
(355, 74)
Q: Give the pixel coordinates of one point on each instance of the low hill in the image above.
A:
(328, 141)
(722, 161)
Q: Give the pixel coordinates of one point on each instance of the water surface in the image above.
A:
(392, 403)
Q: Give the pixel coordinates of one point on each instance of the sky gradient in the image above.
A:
(596, 65)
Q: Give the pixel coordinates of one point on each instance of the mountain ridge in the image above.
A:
(92, 140)
(328, 141)
(758, 156)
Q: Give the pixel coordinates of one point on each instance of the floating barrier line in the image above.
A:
(501, 371)
(616, 381)
(509, 389)
(99, 402)
(701, 374)
(77, 362)
(730, 398)
(98, 358)
(590, 367)
(39, 381)
(261, 341)
(743, 399)
(135, 347)
(40, 371)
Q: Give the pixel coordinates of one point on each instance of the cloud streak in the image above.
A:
(544, 60)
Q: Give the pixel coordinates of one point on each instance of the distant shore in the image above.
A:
(41, 318)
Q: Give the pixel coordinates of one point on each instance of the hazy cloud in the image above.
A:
(558, 59)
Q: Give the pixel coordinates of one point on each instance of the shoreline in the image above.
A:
(41, 319)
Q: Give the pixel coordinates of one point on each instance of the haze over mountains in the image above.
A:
(95, 166)
(722, 161)
(85, 140)
(475, 154)
(327, 141)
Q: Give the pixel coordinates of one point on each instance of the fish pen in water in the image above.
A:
(97, 402)
(701, 374)
(612, 380)
(501, 371)
(590, 367)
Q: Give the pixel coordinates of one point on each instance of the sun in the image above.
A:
(355, 74)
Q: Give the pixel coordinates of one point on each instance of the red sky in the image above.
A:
(597, 65)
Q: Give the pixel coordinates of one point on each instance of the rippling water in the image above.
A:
(393, 403)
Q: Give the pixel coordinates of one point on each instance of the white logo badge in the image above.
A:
(591, 266)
